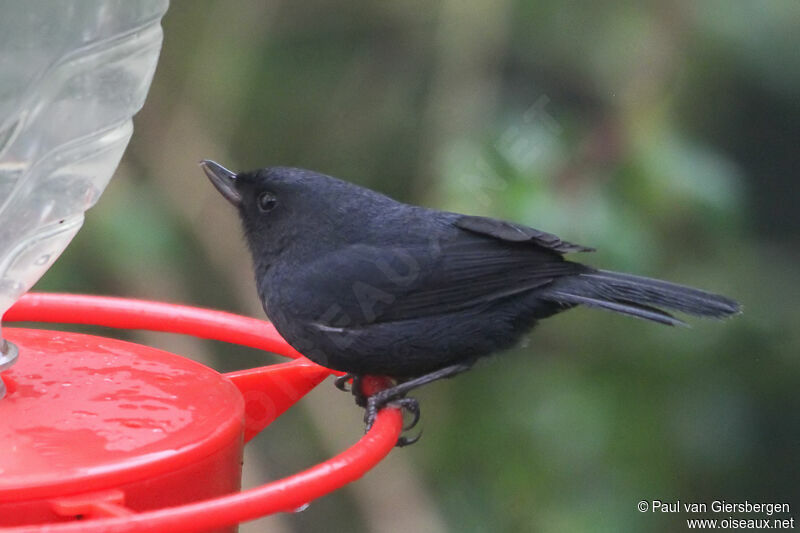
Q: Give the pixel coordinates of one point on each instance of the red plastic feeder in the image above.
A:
(98, 434)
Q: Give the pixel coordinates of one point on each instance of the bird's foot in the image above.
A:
(384, 397)
(373, 393)
(378, 401)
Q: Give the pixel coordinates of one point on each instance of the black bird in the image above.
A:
(364, 284)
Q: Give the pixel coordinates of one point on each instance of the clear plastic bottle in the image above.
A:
(72, 74)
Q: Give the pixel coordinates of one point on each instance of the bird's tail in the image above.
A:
(637, 296)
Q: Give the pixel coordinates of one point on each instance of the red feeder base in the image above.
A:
(101, 435)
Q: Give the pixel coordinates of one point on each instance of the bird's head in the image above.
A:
(282, 207)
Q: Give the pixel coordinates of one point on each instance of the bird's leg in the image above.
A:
(395, 396)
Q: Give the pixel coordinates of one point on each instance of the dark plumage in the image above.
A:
(361, 283)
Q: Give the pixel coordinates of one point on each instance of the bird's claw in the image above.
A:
(411, 406)
(355, 388)
(407, 441)
(342, 381)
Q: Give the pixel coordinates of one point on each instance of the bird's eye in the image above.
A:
(267, 201)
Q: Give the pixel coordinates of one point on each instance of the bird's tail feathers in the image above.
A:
(638, 296)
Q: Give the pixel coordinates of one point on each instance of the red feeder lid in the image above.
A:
(84, 412)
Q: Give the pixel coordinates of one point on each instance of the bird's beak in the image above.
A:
(223, 180)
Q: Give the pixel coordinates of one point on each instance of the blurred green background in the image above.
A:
(665, 134)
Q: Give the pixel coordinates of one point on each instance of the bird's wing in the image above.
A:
(375, 284)
(508, 231)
